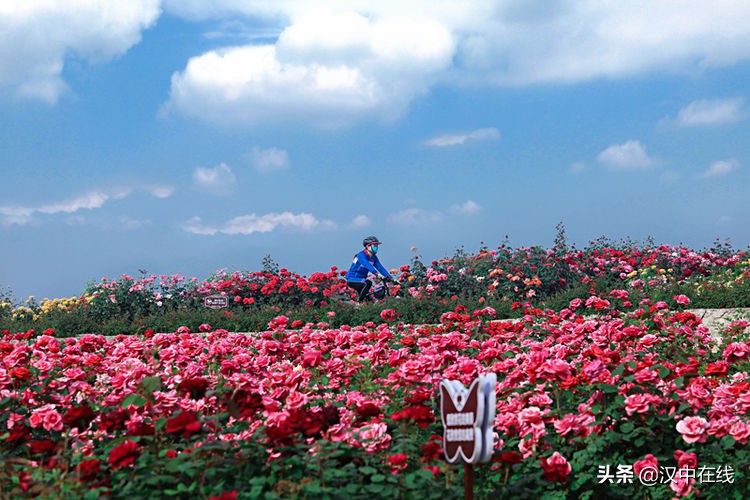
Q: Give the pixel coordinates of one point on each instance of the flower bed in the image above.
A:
(504, 278)
(584, 406)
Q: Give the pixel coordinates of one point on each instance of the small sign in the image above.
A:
(468, 416)
(216, 301)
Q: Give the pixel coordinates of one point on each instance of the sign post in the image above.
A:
(467, 416)
(216, 301)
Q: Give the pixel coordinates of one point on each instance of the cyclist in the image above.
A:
(366, 262)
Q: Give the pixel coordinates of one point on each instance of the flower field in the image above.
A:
(602, 391)
(504, 278)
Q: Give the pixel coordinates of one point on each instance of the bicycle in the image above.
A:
(379, 292)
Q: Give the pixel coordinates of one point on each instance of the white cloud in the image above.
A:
(468, 208)
(36, 37)
(327, 69)
(577, 167)
(361, 221)
(15, 215)
(87, 201)
(161, 191)
(627, 156)
(20, 215)
(460, 139)
(711, 112)
(195, 225)
(343, 60)
(269, 160)
(252, 223)
(217, 180)
(353, 59)
(721, 168)
(415, 216)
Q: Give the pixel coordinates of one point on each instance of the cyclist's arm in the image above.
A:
(382, 269)
(366, 264)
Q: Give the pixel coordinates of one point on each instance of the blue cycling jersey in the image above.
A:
(364, 263)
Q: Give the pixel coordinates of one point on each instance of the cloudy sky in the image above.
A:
(187, 136)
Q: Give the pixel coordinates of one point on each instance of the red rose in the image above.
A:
(19, 432)
(388, 314)
(398, 462)
(79, 416)
(717, 368)
(556, 468)
(185, 422)
(88, 470)
(195, 387)
(511, 457)
(41, 446)
(20, 373)
(123, 454)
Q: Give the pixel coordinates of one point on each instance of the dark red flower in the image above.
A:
(511, 457)
(140, 429)
(367, 408)
(20, 373)
(185, 422)
(433, 449)
(419, 414)
(398, 462)
(19, 432)
(41, 446)
(114, 420)
(88, 470)
(556, 468)
(123, 454)
(195, 387)
(244, 404)
(717, 368)
(79, 416)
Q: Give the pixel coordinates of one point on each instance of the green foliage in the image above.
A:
(506, 279)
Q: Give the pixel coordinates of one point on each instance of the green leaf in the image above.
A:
(627, 427)
(149, 385)
(132, 399)
(727, 442)
(367, 470)
(377, 478)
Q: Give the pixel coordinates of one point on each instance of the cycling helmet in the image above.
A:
(370, 240)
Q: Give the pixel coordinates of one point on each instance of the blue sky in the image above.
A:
(185, 137)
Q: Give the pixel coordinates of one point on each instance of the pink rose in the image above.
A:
(556, 468)
(736, 351)
(686, 460)
(312, 358)
(648, 462)
(639, 403)
(295, 400)
(681, 299)
(693, 429)
(388, 314)
(682, 485)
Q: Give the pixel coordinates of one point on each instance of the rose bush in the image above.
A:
(589, 397)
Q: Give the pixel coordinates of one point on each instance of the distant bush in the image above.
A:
(506, 279)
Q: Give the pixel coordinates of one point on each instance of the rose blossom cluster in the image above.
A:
(299, 384)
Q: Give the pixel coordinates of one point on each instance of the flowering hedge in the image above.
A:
(504, 278)
(588, 397)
